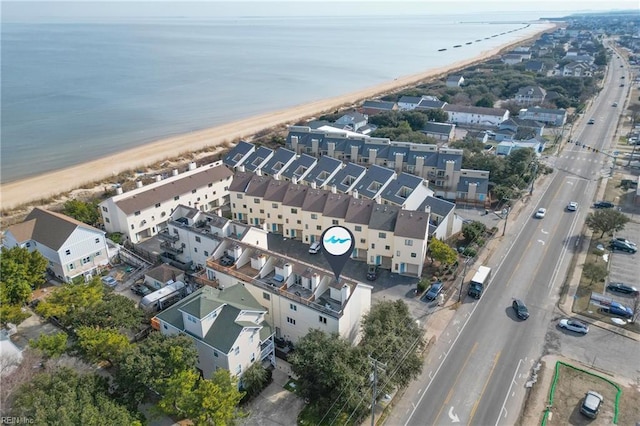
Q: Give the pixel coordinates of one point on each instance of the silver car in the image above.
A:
(574, 325)
(591, 404)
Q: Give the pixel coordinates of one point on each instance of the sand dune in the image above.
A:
(39, 187)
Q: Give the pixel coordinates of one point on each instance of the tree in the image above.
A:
(101, 344)
(442, 252)
(594, 271)
(485, 101)
(179, 398)
(416, 119)
(85, 212)
(115, 310)
(255, 379)
(72, 300)
(392, 336)
(20, 272)
(329, 370)
(606, 221)
(148, 364)
(437, 115)
(473, 231)
(67, 398)
(52, 346)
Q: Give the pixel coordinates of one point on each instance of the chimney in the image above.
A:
(427, 209)
(313, 184)
(237, 251)
(345, 293)
(315, 280)
(259, 172)
(174, 172)
(354, 153)
(331, 149)
(294, 180)
(355, 194)
(119, 190)
(192, 165)
(158, 178)
(378, 200)
(241, 168)
(138, 184)
(288, 269)
(399, 159)
(314, 146)
(275, 177)
(294, 144)
(334, 189)
(373, 154)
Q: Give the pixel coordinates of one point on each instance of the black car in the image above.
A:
(140, 289)
(622, 288)
(521, 309)
(372, 272)
(603, 205)
(623, 246)
(434, 291)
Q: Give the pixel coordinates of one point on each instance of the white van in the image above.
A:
(314, 247)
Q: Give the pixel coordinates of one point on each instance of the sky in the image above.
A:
(26, 10)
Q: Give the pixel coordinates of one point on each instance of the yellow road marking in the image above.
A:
(484, 388)
(450, 394)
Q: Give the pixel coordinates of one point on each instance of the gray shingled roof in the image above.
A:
(276, 190)
(359, 211)
(439, 128)
(376, 176)
(299, 166)
(237, 153)
(315, 200)
(381, 105)
(295, 195)
(259, 157)
(483, 184)
(431, 104)
(240, 181)
(547, 111)
(47, 228)
(383, 217)
(172, 188)
(258, 186)
(280, 159)
(400, 188)
(438, 206)
(336, 206)
(325, 164)
(350, 170)
(410, 100)
(164, 272)
(412, 224)
(475, 110)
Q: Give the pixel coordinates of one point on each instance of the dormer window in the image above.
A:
(348, 181)
(278, 166)
(300, 171)
(374, 187)
(404, 192)
(257, 161)
(237, 158)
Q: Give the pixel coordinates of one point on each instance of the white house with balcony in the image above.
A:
(144, 211)
(462, 114)
(227, 325)
(73, 249)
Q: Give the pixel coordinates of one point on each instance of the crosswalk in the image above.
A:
(578, 163)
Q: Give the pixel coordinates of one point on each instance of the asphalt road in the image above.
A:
(476, 374)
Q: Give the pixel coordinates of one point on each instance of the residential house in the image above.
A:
(430, 102)
(353, 120)
(507, 147)
(311, 214)
(461, 114)
(410, 235)
(346, 178)
(515, 128)
(473, 187)
(373, 183)
(408, 103)
(455, 80)
(530, 95)
(357, 219)
(407, 191)
(291, 209)
(227, 325)
(163, 274)
(512, 58)
(296, 296)
(443, 221)
(299, 168)
(577, 69)
(238, 154)
(535, 66)
(554, 117)
(322, 172)
(374, 107)
(382, 225)
(278, 162)
(143, 212)
(237, 190)
(73, 249)
(444, 132)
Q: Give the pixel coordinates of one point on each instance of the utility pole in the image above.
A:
(464, 274)
(535, 174)
(506, 218)
(374, 381)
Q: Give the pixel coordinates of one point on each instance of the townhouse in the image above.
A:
(238, 154)
(554, 117)
(473, 115)
(297, 296)
(227, 325)
(142, 212)
(73, 249)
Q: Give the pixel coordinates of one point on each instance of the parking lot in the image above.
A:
(625, 267)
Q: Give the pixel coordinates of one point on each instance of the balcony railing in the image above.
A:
(165, 235)
(170, 248)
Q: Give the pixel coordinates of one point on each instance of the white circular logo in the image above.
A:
(337, 241)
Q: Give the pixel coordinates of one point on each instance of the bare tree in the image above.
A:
(15, 372)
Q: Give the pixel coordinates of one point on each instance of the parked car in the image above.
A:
(603, 205)
(615, 104)
(591, 121)
(618, 309)
(372, 272)
(140, 289)
(110, 281)
(521, 309)
(540, 213)
(572, 206)
(624, 240)
(622, 288)
(574, 325)
(623, 246)
(434, 291)
(591, 404)
(314, 247)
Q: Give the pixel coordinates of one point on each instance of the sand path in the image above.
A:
(14, 194)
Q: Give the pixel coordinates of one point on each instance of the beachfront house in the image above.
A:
(74, 249)
(352, 120)
(462, 114)
(530, 95)
(374, 107)
(455, 80)
(227, 325)
(554, 117)
(144, 211)
(296, 296)
(442, 132)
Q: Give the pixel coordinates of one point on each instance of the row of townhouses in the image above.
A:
(330, 159)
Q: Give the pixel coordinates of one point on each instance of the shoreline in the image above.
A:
(17, 193)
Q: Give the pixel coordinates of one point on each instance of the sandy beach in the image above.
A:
(43, 186)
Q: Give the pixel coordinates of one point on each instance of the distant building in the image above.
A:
(354, 120)
(455, 80)
(530, 95)
(461, 114)
(73, 249)
(443, 132)
(376, 107)
(555, 117)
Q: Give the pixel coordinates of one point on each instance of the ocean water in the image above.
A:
(72, 92)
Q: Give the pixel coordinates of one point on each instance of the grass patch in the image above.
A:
(291, 386)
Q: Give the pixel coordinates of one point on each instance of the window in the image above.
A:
(334, 222)
(191, 319)
(363, 241)
(106, 219)
(67, 252)
(299, 222)
(98, 253)
(176, 198)
(137, 213)
(210, 184)
(256, 201)
(104, 209)
(266, 296)
(251, 339)
(206, 253)
(319, 228)
(413, 255)
(374, 187)
(165, 326)
(279, 216)
(398, 253)
(237, 352)
(71, 266)
(28, 244)
(86, 260)
(215, 354)
(261, 211)
(291, 321)
(239, 369)
(97, 240)
(322, 319)
(408, 243)
(358, 228)
(132, 226)
(387, 247)
(250, 210)
(253, 357)
(382, 235)
(314, 216)
(278, 166)
(373, 246)
(294, 211)
(274, 205)
(195, 249)
(197, 239)
(239, 196)
(293, 307)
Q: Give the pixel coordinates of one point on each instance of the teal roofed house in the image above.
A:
(227, 326)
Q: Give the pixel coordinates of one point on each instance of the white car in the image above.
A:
(314, 247)
(574, 325)
(572, 206)
(540, 213)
